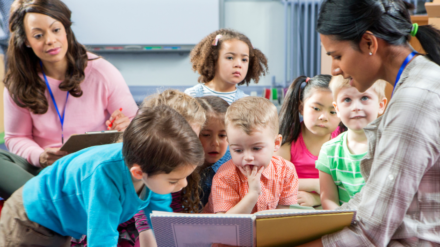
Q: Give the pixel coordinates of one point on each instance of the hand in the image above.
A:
(120, 122)
(253, 176)
(50, 155)
(308, 199)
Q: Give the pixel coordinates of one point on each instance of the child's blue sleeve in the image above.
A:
(103, 208)
(158, 202)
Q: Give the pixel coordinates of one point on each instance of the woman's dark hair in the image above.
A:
(386, 19)
(159, 139)
(299, 91)
(204, 57)
(22, 80)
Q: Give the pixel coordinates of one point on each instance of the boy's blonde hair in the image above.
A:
(252, 112)
(339, 82)
(184, 104)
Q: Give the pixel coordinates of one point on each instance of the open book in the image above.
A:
(267, 228)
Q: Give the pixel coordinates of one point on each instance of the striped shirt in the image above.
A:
(399, 204)
(200, 90)
(336, 159)
(279, 186)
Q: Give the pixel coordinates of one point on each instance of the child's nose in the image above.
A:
(215, 142)
(238, 63)
(357, 106)
(323, 117)
(183, 183)
(248, 156)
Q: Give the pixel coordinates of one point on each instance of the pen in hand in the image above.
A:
(111, 123)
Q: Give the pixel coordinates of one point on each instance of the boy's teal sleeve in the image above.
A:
(323, 163)
(158, 202)
(103, 208)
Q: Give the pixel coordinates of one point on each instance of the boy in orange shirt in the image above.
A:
(253, 180)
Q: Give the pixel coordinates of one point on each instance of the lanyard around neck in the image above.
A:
(55, 103)
(407, 59)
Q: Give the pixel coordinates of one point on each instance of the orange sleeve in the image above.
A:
(225, 192)
(290, 187)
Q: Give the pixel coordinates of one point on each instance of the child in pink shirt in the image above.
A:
(302, 139)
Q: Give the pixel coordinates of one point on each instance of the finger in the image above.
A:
(121, 123)
(260, 171)
(123, 126)
(54, 151)
(112, 124)
(115, 114)
(60, 153)
(243, 171)
(254, 171)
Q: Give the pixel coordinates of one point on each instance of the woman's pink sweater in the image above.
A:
(104, 91)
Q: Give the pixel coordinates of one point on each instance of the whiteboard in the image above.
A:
(143, 22)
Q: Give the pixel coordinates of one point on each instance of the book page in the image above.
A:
(204, 235)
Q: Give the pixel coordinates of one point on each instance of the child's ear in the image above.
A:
(301, 108)
(382, 105)
(336, 109)
(136, 171)
(278, 141)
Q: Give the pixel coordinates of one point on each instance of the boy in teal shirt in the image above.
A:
(339, 160)
(92, 191)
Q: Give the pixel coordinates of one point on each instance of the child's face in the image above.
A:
(163, 183)
(213, 139)
(252, 150)
(319, 114)
(357, 109)
(233, 61)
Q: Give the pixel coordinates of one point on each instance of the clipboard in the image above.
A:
(81, 141)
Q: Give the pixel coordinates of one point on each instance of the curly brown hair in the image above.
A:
(22, 80)
(204, 57)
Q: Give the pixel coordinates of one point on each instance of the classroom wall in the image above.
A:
(261, 20)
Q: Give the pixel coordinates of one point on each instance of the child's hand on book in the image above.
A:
(308, 199)
(253, 176)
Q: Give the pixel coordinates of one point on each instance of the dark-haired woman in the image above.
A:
(54, 89)
(400, 202)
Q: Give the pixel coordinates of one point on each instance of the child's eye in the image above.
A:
(347, 100)
(205, 135)
(230, 58)
(244, 60)
(222, 136)
(175, 182)
(364, 98)
(315, 108)
(237, 150)
(337, 57)
(256, 148)
(332, 112)
(56, 30)
(37, 36)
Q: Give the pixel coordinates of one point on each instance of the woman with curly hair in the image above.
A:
(224, 59)
(53, 89)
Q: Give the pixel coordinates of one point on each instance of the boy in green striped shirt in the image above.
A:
(339, 160)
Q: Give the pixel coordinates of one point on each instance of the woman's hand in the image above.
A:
(120, 122)
(308, 199)
(50, 155)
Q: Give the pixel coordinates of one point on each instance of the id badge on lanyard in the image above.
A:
(61, 117)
